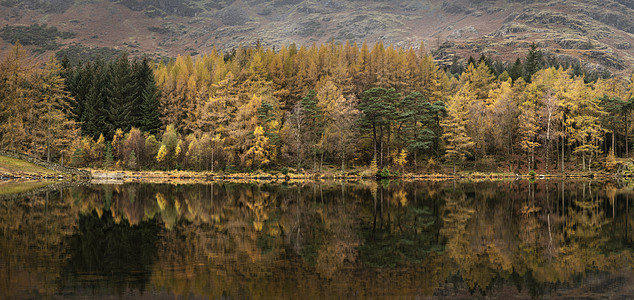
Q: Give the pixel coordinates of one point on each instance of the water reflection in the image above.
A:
(320, 240)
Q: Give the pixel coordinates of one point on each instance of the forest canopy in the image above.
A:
(306, 107)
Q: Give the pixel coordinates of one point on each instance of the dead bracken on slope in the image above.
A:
(596, 32)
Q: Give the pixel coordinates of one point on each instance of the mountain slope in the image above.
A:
(600, 33)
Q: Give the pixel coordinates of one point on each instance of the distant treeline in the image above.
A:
(343, 104)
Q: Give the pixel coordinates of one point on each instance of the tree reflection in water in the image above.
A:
(321, 240)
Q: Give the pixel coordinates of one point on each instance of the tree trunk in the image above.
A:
(563, 143)
(321, 163)
(381, 147)
(613, 141)
(627, 148)
(374, 138)
(343, 159)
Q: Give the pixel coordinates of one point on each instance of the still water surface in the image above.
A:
(507, 240)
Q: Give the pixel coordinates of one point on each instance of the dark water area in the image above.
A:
(329, 240)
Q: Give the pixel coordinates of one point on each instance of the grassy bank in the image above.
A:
(20, 186)
(12, 167)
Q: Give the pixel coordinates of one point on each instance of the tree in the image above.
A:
(584, 122)
(121, 95)
(457, 143)
(261, 153)
(416, 123)
(377, 105)
(150, 114)
(534, 62)
(529, 124)
(54, 129)
(108, 159)
(505, 111)
(340, 132)
(16, 73)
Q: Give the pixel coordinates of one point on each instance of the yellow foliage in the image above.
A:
(162, 154)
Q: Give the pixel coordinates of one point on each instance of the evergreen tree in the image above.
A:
(120, 95)
(534, 62)
(108, 158)
(377, 105)
(150, 115)
(142, 77)
(94, 118)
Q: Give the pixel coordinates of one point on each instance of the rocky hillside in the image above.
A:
(598, 32)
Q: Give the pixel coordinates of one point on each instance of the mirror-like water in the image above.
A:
(450, 240)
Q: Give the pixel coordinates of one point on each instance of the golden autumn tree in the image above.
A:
(261, 153)
(53, 129)
(16, 101)
(457, 143)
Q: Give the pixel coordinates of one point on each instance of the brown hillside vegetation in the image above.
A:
(600, 33)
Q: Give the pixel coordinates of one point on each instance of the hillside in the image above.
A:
(599, 33)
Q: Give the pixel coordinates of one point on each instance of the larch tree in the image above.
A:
(529, 127)
(457, 143)
(54, 129)
(584, 122)
(261, 153)
(16, 101)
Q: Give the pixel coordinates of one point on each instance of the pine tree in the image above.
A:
(108, 158)
(144, 87)
(150, 115)
(377, 105)
(120, 95)
(534, 61)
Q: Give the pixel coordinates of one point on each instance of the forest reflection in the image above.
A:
(319, 240)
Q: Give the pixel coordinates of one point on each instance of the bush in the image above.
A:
(385, 173)
(532, 173)
(79, 158)
(284, 171)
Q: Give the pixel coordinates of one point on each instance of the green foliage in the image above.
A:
(79, 158)
(335, 104)
(39, 35)
(132, 160)
(77, 53)
(385, 173)
(117, 94)
(108, 159)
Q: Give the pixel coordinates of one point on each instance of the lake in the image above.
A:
(324, 240)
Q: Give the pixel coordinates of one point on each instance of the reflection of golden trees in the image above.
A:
(531, 232)
(31, 231)
(259, 240)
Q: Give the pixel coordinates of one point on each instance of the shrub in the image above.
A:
(385, 173)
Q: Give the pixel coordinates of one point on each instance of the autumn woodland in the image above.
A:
(342, 106)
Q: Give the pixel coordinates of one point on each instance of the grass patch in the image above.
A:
(14, 166)
(16, 187)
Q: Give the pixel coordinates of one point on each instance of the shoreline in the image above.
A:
(107, 176)
(99, 175)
